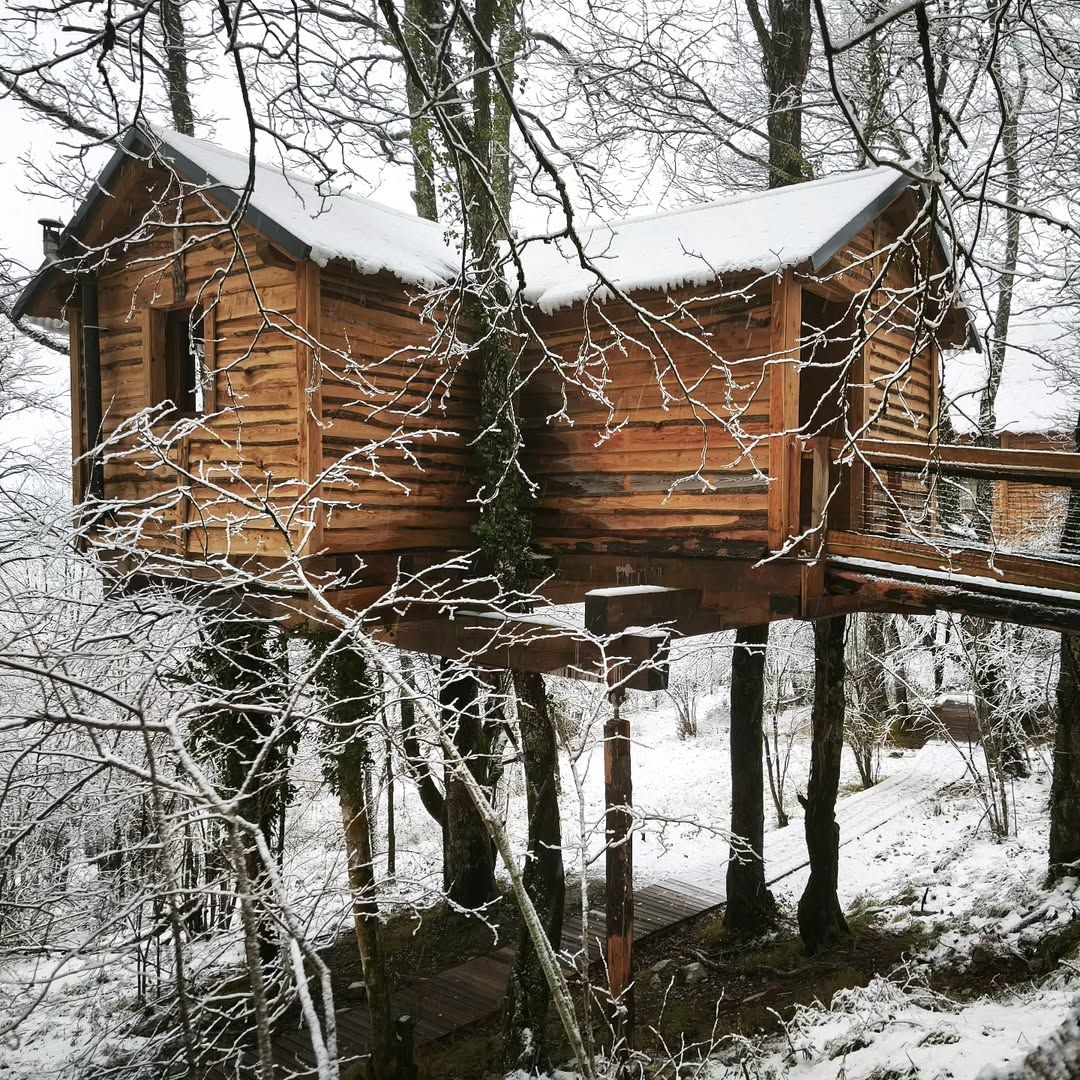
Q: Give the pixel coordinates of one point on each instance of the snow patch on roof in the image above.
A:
(373, 237)
(760, 231)
(764, 231)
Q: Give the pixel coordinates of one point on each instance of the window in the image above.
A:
(175, 358)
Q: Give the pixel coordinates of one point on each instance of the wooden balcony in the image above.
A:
(918, 527)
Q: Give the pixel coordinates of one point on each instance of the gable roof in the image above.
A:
(763, 231)
(286, 206)
(314, 224)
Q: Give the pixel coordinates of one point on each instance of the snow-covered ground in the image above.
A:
(974, 896)
(930, 861)
(682, 798)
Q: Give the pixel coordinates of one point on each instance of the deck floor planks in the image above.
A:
(468, 992)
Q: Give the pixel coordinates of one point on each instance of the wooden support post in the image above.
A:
(619, 908)
(813, 573)
(309, 395)
(784, 457)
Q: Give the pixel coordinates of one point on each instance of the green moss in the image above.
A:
(713, 934)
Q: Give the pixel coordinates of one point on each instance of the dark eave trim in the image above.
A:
(867, 214)
(856, 224)
(139, 144)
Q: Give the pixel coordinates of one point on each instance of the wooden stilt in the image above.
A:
(620, 875)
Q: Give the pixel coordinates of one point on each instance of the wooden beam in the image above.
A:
(210, 364)
(534, 643)
(783, 366)
(571, 576)
(608, 611)
(80, 473)
(681, 612)
(877, 590)
(153, 355)
(1047, 572)
(309, 392)
(619, 871)
(1055, 467)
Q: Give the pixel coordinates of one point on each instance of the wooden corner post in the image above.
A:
(619, 906)
(813, 572)
(309, 393)
(783, 367)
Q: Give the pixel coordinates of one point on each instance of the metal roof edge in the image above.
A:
(861, 219)
(152, 143)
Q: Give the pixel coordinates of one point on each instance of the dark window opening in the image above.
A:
(182, 358)
(830, 340)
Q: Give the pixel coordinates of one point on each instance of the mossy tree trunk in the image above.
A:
(783, 32)
(465, 129)
(528, 995)
(821, 919)
(750, 907)
(240, 668)
(352, 706)
(468, 855)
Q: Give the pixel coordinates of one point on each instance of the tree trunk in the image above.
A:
(176, 66)
(431, 796)
(821, 920)
(529, 995)
(1065, 791)
(469, 856)
(901, 699)
(750, 905)
(391, 824)
(785, 59)
(352, 701)
(356, 820)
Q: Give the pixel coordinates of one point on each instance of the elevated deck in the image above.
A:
(979, 530)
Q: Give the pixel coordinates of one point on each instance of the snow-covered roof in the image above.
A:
(371, 236)
(1035, 396)
(764, 231)
(287, 206)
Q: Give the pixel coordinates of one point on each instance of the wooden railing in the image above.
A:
(977, 511)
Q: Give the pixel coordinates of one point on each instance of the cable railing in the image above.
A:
(946, 505)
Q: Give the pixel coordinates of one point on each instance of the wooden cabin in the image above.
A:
(273, 370)
(281, 351)
(756, 324)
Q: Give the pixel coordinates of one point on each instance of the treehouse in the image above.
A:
(730, 412)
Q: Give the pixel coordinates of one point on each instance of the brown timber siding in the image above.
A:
(622, 493)
(399, 409)
(253, 354)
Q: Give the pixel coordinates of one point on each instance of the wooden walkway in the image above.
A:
(469, 992)
(461, 995)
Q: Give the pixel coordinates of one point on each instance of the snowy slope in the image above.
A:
(371, 236)
(763, 231)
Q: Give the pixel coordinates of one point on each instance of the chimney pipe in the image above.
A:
(50, 236)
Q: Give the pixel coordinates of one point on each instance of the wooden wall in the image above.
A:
(677, 396)
(1030, 515)
(399, 409)
(901, 370)
(246, 453)
(341, 400)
